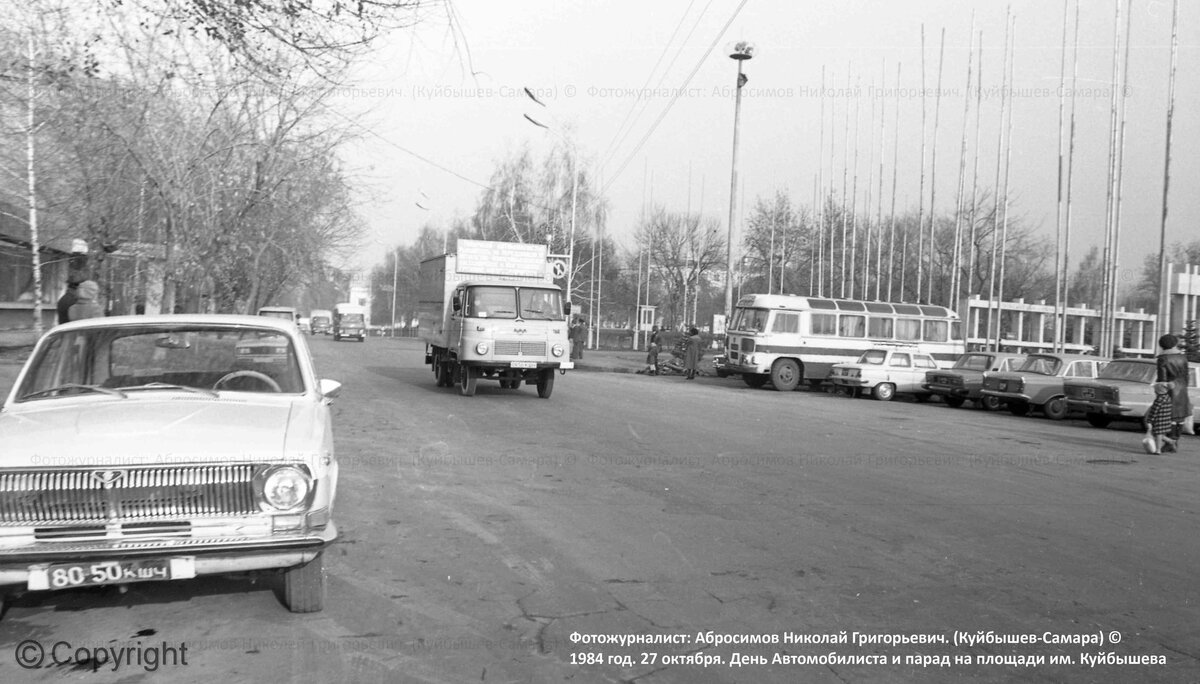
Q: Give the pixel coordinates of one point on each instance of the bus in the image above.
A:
(787, 339)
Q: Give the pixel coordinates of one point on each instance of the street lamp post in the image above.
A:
(395, 275)
(740, 52)
(574, 190)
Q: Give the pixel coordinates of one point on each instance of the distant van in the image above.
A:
(349, 320)
(287, 313)
(321, 321)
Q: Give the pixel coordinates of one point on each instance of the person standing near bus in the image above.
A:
(1173, 368)
(691, 354)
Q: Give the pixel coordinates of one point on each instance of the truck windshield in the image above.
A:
(529, 303)
(540, 304)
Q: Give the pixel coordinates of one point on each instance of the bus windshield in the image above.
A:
(750, 320)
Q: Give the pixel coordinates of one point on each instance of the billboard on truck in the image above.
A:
(491, 310)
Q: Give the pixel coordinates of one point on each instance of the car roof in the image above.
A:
(178, 319)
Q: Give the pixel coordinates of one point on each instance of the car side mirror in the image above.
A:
(566, 308)
(329, 388)
(456, 303)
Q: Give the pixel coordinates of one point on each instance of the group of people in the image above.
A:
(81, 300)
(691, 354)
(1172, 407)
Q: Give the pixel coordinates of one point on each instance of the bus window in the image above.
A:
(880, 327)
(936, 331)
(852, 326)
(908, 329)
(751, 320)
(823, 324)
(956, 330)
(786, 323)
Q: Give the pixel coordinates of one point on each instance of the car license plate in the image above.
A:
(1088, 393)
(523, 364)
(67, 575)
(1003, 387)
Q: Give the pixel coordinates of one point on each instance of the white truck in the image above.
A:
(491, 310)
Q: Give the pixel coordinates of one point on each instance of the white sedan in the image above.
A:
(157, 448)
(885, 372)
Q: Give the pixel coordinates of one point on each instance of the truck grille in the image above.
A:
(520, 348)
(98, 495)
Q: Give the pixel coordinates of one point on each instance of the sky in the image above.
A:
(442, 108)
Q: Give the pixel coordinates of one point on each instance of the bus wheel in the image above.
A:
(754, 380)
(884, 391)
(785, 375)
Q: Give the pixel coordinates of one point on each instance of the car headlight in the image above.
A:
(482, 348)
(286, 487)
(557, 350)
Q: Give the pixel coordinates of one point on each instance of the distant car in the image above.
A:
(1123, 391)
(885, 372)
(720, 366)
(305, 325)
(1038, 383)
(321, 321)
(963, 381)
(349, 320)
(287, 313)
(163, 448)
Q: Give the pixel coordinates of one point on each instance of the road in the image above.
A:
(506, 538)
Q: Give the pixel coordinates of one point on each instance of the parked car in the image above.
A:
(162, 448)
(964, 380)
(1123, 391)
(885, 372)
(1038, 383)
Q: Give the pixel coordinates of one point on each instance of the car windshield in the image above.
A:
(750, 320)
(119, 361)
(874, 357)
(351, 319)
(1043, 365)
(1128, 370)
(979, 362)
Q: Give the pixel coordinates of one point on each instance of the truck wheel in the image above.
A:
(441, 372)
(467, 379)
(304, 586)
(545, 383)
(884, 391)
(1056, 408)
(785, 375)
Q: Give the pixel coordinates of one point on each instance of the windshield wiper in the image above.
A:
(167, 385)
(75, 386)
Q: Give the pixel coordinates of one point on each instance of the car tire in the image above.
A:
(545, 383)
(1056, 408)
(989, 403)
(304, 586)
(468, 379)
(755, 380)
(785, 375)
(954, 402)
(884, 391)
(1098, 420)
(1018, 408)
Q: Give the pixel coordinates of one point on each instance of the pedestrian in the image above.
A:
(577, 336)
(67, 299)
(86, 304)
(652, 353)
(691, 354)
(1159, 421)
(1173, 368)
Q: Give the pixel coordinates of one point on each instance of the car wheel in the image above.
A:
(1018, 408)
(1056, 408)
(304, 586)
(884, 391)
(545, 383)
(785, 375)
(953, 402)
(989, 403)
(467, 381)
(1098, 420)
(755, 380)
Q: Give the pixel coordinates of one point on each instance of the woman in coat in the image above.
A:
(1173, 368)
(86, 304)
(691, 355)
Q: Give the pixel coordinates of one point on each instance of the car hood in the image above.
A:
(132, 431)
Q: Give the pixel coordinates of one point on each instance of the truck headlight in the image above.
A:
(557, 350)
(286, 487)
(482, 348)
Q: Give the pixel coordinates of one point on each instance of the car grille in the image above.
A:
(98, 495)
(520, 348)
